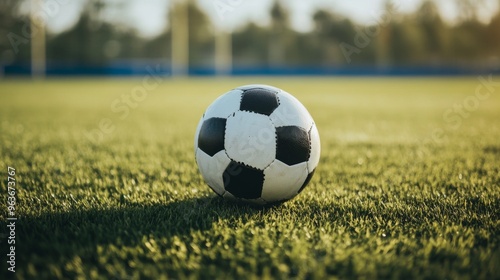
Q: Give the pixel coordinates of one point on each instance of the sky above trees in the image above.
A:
(150, 17)
(399, 36)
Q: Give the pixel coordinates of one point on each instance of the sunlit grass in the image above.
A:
(387, 200)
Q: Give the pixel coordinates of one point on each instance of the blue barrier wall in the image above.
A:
(141, 68)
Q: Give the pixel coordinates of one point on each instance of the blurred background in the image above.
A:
(243, 37)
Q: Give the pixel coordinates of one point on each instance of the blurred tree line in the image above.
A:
(421, 38)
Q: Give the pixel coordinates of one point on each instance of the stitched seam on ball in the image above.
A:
(239, 103)
(225, 128)
(269, 164)
(275, 143)
(225, 135)
(248, 166)
(278, 97)
(251, 112)
(310, 145)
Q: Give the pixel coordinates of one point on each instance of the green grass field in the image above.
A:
(400, 191)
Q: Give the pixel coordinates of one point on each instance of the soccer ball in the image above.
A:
(257, 144)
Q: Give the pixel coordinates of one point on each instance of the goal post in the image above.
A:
(180, 38)
(38, 47)
(223, 52)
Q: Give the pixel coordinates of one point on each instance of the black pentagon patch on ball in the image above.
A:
(293, 145)
(308, 179)
(259, 100)
(211, 137)
(243, 181)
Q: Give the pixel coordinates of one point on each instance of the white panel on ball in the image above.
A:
(250, 139)
(315, 149)
(225, 105)
(282, 181)
(212, 169)
(291, 112)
